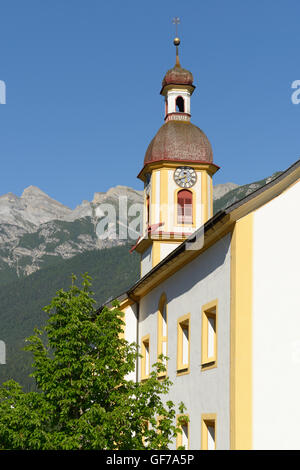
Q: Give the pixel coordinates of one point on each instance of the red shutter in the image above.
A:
(185, 207)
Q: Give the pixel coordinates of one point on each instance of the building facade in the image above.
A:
(218, 294)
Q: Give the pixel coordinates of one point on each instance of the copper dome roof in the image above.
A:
(178, 76)
(179, 141)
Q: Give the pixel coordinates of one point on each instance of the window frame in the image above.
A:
(182, 322)
(180, 221)
(145, 339)
(179, 435)
(206, 420)
(209, 310)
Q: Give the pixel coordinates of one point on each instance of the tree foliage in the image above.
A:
(85, 399)
(113, 270)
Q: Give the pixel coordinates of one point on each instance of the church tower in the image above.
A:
(177, 173)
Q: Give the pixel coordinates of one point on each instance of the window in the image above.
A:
(209, 335)
(184, 207)
(183, 437)
(148, 210)
(183, 344)
(179, 104)
(162, 328)
(208, 432)
(145, 361)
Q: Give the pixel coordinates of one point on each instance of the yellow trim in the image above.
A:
(212, 196)
(209, 310)
(126, 303)
(194, 200)
(241, 334)
(167, 88)
(153, 197)
(155, 253)
(210, 167)
(207, 420)
(179, 435)
(204, 197)
(158, 420)
(160, 338)
(145, 340)
(183, 322)
(163, 203)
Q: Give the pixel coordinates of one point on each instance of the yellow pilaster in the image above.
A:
(155, 253)
(241, 334)
(164, 197)
(204, 196)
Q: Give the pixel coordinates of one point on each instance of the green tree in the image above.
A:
(85, 400)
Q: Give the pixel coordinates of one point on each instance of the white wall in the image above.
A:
(166, 248)
(171, 97)
(276, 323)
(201, 281)
(146, 261)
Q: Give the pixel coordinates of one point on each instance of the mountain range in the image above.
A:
(36, 230)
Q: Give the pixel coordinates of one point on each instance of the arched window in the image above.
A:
(185, 207)
(179, 104)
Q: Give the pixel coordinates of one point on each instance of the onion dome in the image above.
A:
(178, 75)
(179, 141)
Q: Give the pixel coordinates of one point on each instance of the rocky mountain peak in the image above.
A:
(33, 191)
(115, 192)
(221, 189)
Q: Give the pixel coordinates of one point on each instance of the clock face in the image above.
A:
(185, 176)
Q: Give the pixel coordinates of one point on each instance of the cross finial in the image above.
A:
(176, 41)
(176, 21)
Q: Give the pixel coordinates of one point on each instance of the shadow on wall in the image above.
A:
(196, 271)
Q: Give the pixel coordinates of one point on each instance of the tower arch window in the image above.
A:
(179, 104)
(185, 207)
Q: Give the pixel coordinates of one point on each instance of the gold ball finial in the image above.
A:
(176, 42)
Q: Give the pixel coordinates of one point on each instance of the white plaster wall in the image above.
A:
(173, 94)
(131, 330)
(276, 323)
(166, 248)
(146, 261)
(204, 279)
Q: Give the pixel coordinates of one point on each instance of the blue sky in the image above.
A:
(83, 80)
